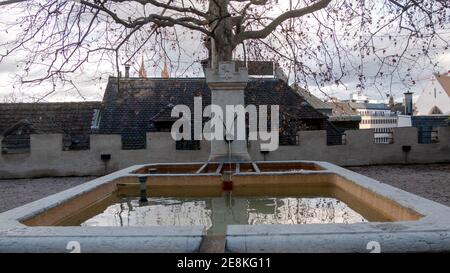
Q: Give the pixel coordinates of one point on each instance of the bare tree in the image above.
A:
(315, 40)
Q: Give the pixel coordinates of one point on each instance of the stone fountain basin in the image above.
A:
(416, 224)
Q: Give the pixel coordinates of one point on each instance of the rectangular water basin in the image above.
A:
(273, 206)
(215, 210)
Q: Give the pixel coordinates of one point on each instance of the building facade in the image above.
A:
(379, 117)
(435, 98)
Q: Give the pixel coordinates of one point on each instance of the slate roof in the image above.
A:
(142, 103)
(372, 106)
(342, 109)
(311, 99)
(72, 119)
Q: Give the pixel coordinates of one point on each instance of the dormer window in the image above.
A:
(96, 119)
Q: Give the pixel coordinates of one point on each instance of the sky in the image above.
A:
(92, 77)
(424, 76)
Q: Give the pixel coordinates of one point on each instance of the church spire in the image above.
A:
(391, 101)
(142, 71)
(165, 72)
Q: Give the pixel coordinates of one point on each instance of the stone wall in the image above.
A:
(47, 158)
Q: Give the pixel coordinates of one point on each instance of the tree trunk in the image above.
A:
(222, 43)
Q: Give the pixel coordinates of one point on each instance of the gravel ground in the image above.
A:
(14, 193)
(429, 181)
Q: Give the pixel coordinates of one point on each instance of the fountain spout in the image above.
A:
(143, 190)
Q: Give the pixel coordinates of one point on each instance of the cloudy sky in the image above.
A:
(91, 78)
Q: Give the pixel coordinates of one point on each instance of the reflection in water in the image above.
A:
(217, 212)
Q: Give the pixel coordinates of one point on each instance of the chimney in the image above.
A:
(127, 70)
(408, 103)
(279, 73)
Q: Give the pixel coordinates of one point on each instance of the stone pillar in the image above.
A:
(227, 88)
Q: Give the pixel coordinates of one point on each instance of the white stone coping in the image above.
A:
(171, 239)
(430, 233)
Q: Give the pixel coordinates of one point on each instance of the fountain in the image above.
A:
(229, 204)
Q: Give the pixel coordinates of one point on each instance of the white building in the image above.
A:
(435, 98)
(404, 121)
(379, 117)
(376, 116)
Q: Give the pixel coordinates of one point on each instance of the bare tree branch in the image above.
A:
(9, 2)
(260, 34)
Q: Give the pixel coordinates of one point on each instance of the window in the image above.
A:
(435, 111)
(96, 119)
(384, 138)
(434, 136)
(16, 138)
(428, 134)
(344, 139)
(289, 139)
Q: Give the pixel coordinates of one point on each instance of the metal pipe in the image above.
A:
(143, 190)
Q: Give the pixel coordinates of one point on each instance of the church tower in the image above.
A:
(165, 72)
(142, 71)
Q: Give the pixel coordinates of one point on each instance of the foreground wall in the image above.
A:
(46, 157)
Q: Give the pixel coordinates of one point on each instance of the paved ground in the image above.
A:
(429, 181)
(14, 193)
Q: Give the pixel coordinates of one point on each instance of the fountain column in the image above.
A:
(227, 88)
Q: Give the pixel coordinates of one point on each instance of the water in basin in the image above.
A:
(216, 212)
